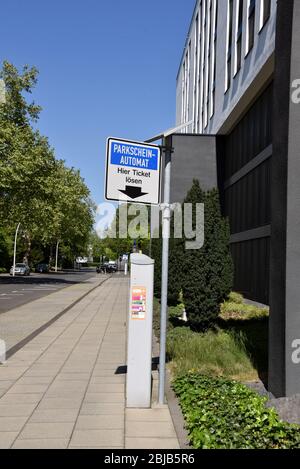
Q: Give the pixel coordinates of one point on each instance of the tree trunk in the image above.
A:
(28, 249)
(51, 255)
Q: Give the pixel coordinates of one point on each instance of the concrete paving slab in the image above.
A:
(98, 438)
(28, 389)
(107, 388)
(148, 415)
(17, 410)
(112, 398)
(151, 443)
(165, 429)
(113, 379)
(12, 424)
(100, 422)
(7, 439)
(59, 403)
(41, 444)
(47, 430)
(12, 399)
(54, 416)
(101, 409)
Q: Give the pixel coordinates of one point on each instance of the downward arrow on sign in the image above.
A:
(133, 192)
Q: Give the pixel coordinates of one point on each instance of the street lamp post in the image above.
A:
(15, 249)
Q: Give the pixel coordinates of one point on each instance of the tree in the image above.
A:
(16, 110)
(207, 273)
(176, 255)
(51, 201)
(131, 223)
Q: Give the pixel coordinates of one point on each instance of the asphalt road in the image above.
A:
(17, 291)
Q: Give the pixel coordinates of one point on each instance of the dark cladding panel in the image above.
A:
(247, 202)
(194, 157)
(251, 136)
(251, 265)
(246, 197)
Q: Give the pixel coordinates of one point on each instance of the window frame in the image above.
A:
(251, 15)
(239, 36)
(228, 67)
(263, 20)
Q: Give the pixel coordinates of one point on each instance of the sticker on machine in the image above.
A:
(138, 303)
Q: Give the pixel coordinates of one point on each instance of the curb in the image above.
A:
(13, 350)
(173, 404)
(176, 414)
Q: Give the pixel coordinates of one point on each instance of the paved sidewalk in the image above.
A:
(63, 390)
(19, 323)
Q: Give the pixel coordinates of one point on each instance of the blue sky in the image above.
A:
(107, 68)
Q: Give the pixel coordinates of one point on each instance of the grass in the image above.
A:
(237, 348)
(236, 309)
(213, 353)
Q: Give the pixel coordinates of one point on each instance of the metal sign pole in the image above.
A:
(165, 268)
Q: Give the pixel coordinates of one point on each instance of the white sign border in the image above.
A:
(134, 142)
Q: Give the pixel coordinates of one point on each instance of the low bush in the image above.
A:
(216, 353)
(223, 414)
(175, 312)
(236, 309)
(234, 297)
(3, 270)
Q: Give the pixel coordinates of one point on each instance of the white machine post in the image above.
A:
(139, 354)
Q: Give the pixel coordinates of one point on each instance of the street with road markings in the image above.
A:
(17, 291)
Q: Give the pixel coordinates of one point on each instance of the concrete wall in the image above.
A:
(284, 345)
(194, 157)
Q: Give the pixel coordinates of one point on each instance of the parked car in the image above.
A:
(42, 268)
(20, 269)
(107, 268)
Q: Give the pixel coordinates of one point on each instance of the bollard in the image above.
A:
(139, 353)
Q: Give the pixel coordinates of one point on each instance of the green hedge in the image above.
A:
(224, 414)
(207, 273)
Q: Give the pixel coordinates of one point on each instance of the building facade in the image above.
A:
(238, 86)
(227, 59)
(224, 87)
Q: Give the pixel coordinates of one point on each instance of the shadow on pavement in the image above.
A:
(122, 370)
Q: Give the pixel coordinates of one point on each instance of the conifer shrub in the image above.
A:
(207, 273)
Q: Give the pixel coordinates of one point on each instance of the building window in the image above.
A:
(239, 37)
(189, 53)
(208, 64)
(265, 12)
(229, 45)
(214, 60)
(205, 63)
(196, 72)
(200, 68)
(251, 25)
(183, 93)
